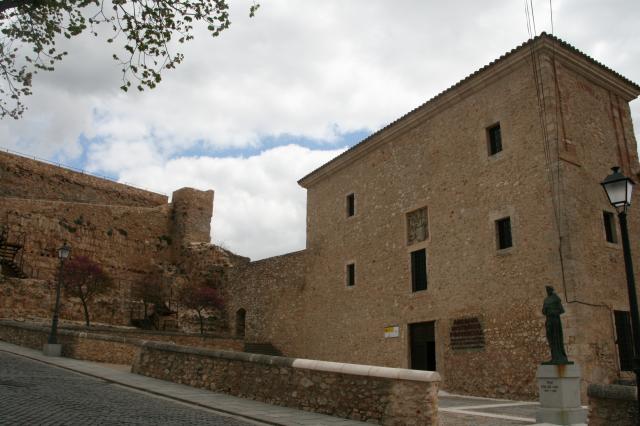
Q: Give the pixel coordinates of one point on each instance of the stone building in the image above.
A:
(429, 244)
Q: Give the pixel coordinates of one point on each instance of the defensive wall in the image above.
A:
(129, 231)
(27, 178)
(267, 297)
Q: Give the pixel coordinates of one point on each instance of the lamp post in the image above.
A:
(619, 188)
(63, 254)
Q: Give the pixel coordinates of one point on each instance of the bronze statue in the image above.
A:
(552, 309)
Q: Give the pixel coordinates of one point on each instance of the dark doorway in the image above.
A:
(423, 346)
(241, 315)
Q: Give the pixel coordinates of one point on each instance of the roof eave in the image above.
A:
(570, 56)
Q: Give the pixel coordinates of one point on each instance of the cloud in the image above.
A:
(259, 209)
(309, 69)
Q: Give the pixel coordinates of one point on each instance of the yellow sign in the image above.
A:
(391, 331)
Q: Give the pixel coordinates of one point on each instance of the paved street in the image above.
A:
(40, 390)
(32, 393)
(457, 410)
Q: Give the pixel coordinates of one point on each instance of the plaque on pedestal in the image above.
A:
(559, 387)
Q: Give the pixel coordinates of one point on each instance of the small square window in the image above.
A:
(494, 139)
(351, 205)
(503, 233)
(419, 270)
(610, 227)
(351, 274)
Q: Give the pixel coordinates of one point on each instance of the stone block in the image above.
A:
(559, 387)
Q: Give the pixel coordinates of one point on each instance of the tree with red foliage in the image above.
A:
(85, 279)
(200, 299)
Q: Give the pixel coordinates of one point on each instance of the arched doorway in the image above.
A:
(241, 316)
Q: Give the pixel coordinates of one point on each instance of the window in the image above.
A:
(624, 339)
(494, 139)
(351, 275)
(610, 227)
(351, 205)
(467, 333)
(419, 270)
(503, 233)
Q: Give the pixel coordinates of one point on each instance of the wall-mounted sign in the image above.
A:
(391, 331)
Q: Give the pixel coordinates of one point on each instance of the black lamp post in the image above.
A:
(63, 254)
(619, 188)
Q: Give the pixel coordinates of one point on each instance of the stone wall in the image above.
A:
(127, 240)
(117, 346)
(123, 239)
(26, 178)
(78, 345)
(32, 299)
(206, 341)
(270, 293)
(360, 392)
(612, 405)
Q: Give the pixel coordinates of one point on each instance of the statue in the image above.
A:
(552, 309)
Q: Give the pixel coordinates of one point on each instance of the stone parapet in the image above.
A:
(75, 344)
(612, 405)
(105, 345)
(389, 396)
(27, 178)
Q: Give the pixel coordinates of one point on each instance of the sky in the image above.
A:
(276, 96)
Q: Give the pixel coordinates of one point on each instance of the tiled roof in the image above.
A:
(527, 43)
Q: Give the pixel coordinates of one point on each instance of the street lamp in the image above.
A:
(63, 254)
(619, 188)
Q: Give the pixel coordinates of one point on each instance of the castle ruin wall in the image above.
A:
(27, 178)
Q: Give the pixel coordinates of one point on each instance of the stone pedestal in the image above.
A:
(559, 388)
(52, 350)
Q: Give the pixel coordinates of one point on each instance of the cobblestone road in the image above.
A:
(32, 393)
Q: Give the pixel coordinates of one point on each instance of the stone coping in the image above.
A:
(607, 391)
(307, 364)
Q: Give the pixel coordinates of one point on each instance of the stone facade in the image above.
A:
(420, 203)
(429, 181)
(380, 395)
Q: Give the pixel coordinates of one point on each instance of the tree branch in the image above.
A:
(12, 4)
